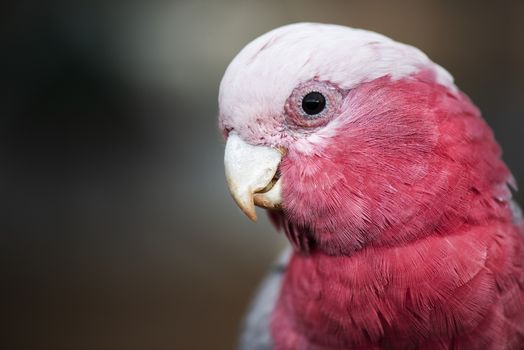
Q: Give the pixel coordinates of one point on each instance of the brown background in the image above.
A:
(117, 231)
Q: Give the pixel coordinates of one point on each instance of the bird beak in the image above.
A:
(252, 175)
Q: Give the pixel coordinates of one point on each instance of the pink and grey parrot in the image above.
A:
(388, 184)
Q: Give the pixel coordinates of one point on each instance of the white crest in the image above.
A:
(262, 76)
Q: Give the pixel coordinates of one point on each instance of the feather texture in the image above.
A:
(395, 200)
(413, 238)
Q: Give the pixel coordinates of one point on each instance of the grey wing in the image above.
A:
(517, 213)
(255, 328)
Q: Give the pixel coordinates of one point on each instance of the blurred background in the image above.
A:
(117, 230)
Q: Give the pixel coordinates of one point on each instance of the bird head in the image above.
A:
(349, 138)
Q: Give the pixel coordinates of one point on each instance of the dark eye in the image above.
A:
(313, 103)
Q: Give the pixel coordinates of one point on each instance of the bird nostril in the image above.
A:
(227, 130)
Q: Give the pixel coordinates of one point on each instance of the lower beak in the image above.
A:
(252, 175)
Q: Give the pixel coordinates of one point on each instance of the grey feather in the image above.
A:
(517, 212)
(255, 333)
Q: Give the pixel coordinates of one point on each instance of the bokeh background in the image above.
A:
(117, 231)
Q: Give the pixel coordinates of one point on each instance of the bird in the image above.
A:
(389, 186)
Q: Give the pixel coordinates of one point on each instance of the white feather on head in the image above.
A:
(262, 76)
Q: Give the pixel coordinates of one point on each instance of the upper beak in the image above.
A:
(251, 174)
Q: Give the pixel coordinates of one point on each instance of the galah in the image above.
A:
(388, 184)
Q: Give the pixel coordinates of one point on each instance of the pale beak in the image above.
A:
(251, 174)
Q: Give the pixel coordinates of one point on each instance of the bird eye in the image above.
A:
(313, 103)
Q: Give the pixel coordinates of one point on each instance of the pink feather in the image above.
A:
(408, 239)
